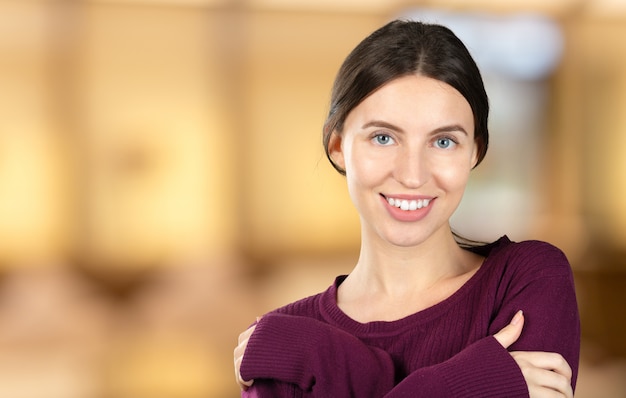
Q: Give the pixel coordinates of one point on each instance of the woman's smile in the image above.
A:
(408, 210)
(407, 204)
(407, 150)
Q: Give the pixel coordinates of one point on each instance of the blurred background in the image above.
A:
(162, 180)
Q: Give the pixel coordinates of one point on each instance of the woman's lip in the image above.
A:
(410, 213)
(407, 197)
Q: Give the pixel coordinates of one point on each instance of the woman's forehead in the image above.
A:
(415, 99)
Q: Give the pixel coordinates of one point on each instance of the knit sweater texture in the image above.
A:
(311, 348)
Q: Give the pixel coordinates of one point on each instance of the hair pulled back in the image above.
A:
(402, 48)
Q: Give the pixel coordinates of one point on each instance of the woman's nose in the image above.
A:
(411, 168)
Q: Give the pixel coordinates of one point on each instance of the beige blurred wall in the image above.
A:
(156, 156)
(155, 130)
(158, 131)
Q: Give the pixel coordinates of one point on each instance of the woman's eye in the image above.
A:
(383, 139)
(444, 143)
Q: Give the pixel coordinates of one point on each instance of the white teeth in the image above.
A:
(408, 205)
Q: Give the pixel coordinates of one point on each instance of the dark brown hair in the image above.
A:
(402, 48)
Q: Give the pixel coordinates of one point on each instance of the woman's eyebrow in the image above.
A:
(450, 128)
(390, 126)
(381, 123)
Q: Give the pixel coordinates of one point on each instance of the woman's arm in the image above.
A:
(542, 286)
(539, 281)
(314, 356)
(483, 369)
(486, 369)
(545, 373)
(342, 365)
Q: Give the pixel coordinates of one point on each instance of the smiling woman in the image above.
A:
(420, 314)
(406, 143)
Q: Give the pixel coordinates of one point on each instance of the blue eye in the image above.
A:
(444, 143)
(383, 139)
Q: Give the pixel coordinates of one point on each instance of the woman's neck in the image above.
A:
(390, 268)
(414, 278)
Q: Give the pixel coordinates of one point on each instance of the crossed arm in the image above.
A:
(545, 374)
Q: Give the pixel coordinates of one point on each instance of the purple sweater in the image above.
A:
(310, 348)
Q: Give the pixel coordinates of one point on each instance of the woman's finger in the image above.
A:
(243, 384)
(545, 360)
(238, 354)
(511, 332)
(246, 334)
(546, 373)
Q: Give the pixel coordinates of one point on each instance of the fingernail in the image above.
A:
(517, 318)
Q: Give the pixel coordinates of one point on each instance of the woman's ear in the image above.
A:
(335, 150)
(475, 155)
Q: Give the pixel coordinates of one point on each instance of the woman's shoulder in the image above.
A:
(310, 306)
(534, 257)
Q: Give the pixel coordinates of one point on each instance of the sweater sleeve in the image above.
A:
(483, 369)
(316, 357)
(287, 351)
(539, 281)
(542, 285)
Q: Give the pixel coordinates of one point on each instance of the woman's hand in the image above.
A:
(238, 354)
(547, 374)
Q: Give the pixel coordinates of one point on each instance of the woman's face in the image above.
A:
(407, 150)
